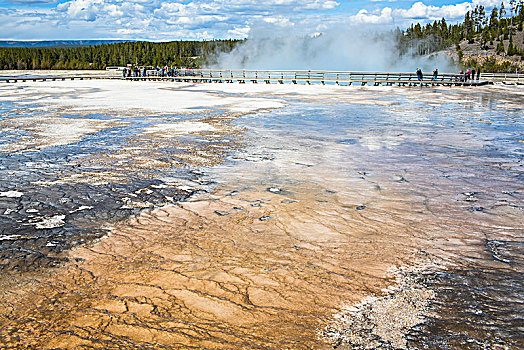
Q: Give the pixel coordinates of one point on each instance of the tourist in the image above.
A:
(473, 74)
(419, 74)
(124, 72)
(478, 73)
(435, 74)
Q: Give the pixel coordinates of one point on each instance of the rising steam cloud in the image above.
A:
(341, 49)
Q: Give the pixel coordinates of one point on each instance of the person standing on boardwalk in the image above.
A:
(473, 74)
(435, 74)
(478, 73)
(419, 74)
(124, 72)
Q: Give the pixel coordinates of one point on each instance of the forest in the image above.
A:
(491, 41)
(190, 54)
(497, 37)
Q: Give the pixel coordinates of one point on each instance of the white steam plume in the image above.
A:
(338, 48)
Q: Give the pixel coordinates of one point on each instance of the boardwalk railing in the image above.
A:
(296, 77)
(503, 77)
(308, 76)
(311, 77)
(23, 78)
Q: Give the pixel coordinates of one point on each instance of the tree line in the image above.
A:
(493, 32)
(190, 54)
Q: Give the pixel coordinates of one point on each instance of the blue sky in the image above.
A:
(207, 19)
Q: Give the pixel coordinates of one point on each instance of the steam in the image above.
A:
(338, 48)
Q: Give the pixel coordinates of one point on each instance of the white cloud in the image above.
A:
(428, 12)
(180, 19)
(156, 19)
(114, 11)
(239, 32)
(363, 16)
(128, 31)
(488, 3)
(279, 21)
(318, 4)
(81, 9)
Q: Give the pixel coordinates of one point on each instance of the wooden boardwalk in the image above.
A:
(295, 77)
(314, 77)
(16, 79)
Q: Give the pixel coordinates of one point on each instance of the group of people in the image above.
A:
(134, 72)
(166, 71)
(420, 76)
(469, 74)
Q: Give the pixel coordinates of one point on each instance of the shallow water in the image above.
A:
(75, 175)
(303, 221)
(459, 166)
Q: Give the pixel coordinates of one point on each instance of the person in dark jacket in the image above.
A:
(419, 74)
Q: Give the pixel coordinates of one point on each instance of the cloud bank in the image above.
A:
(203, 19)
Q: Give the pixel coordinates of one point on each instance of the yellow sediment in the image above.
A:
(188, 275)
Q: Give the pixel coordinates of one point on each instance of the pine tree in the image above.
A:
(500, 48)
(493, 19)
(469, 27)
(511, 49)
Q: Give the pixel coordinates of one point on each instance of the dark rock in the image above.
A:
(473, 209)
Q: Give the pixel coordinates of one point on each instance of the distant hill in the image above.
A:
(489, 41)
(58, 43)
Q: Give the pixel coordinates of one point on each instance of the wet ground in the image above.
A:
(344, 220)
(458, 169)
(67, 178)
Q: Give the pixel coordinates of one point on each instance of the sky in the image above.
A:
(156, 20)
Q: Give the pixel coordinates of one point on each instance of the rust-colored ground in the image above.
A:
(261, 268)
